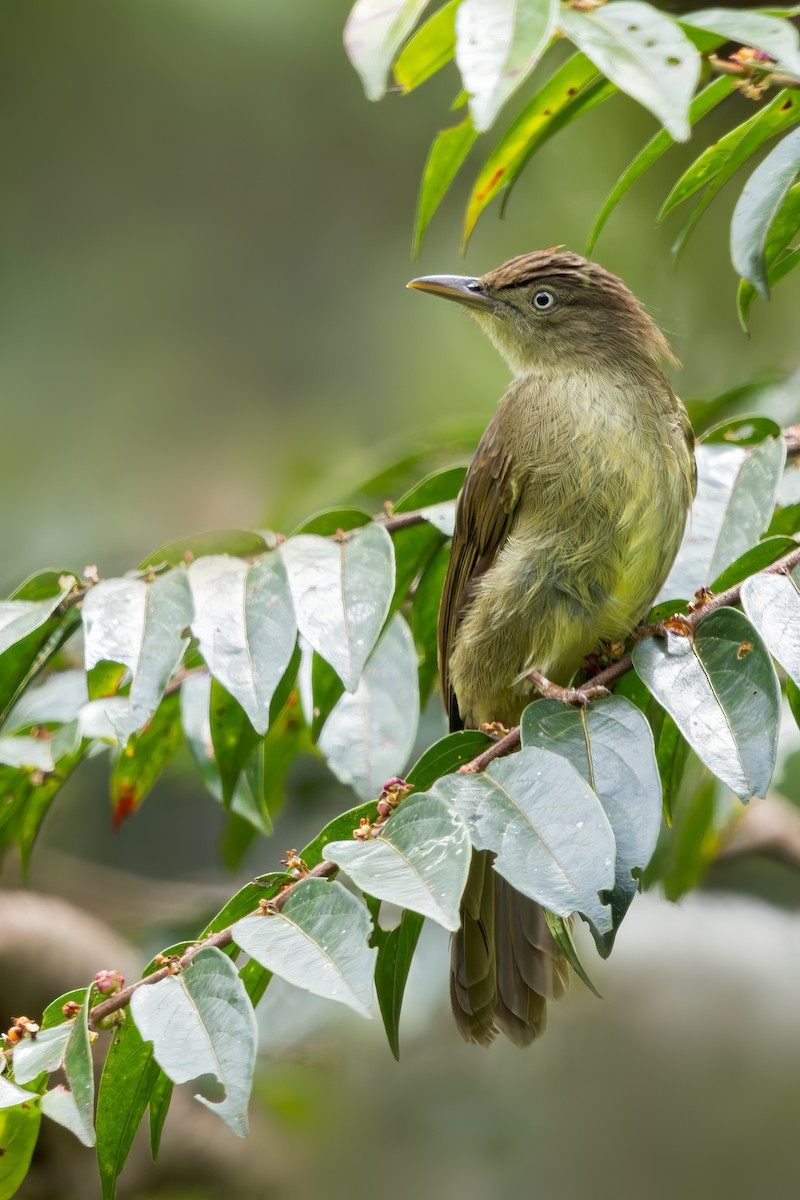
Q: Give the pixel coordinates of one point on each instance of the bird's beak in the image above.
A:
(462, 288)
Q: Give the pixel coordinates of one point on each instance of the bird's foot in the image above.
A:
(567, 695)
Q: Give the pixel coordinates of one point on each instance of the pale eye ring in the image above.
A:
(543, 301)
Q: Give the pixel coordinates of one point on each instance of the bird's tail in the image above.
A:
(505, 965)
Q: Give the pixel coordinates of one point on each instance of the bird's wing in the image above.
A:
(484, 514)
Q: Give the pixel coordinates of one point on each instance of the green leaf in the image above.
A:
(142, 626)
(758, 206)
(370, 733)
(611, 745)
(561, 931)
(11, 1095)
(445, 756)
(342, 592)
(753, 560)
(57, 700)
(245, 626)
(19, 1132)
(203, 1030)
(706, 166)
(721, 690)
(793, 696)
(778, 260)
(437, 488)
(45, 1052)
(129, 1076)
(702, 104)
(498, 43)
(694, 839)
(420, 861)
(448, 151)
(318, 941)
(246, 900)
(576, 85)
(326, 691)
(74, 1108)
(413, 549)
(736, 488)
(22, 615)
(374, 31)
(160, 1100)
(429, 50)
(32, 630)
(425, 619)
(32, 753)
(395, 953)
(232, 736)
(644, 52)
(552, 839)
(340, 827)
(776, 37)
(329, 521)
(742, 431)
(144, 758)
(772, 603)
(782, 112)
(241, 543)
(672, 751)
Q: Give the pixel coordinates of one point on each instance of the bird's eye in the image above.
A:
(543, 301)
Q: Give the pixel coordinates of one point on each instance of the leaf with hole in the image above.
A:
(776, 37)
(644, 52)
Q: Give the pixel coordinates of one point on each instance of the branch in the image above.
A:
(504, 746)
(221, 939)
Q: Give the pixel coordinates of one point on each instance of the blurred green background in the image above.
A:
(206, 234)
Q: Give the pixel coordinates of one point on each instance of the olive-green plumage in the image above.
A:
(569, 519)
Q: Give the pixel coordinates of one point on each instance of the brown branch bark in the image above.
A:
(504, 746)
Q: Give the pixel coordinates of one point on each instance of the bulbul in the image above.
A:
(566, 526)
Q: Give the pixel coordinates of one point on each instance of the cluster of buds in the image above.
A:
(392, 793)
(171, 961)
(21, 1027)
(295, 865)
(108, 983)
(753, 69)
(701, 599)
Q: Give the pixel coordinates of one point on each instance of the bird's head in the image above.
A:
(551, 310)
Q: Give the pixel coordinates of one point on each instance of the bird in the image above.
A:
(566, 525)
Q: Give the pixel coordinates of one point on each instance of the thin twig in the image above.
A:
(499, 749)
